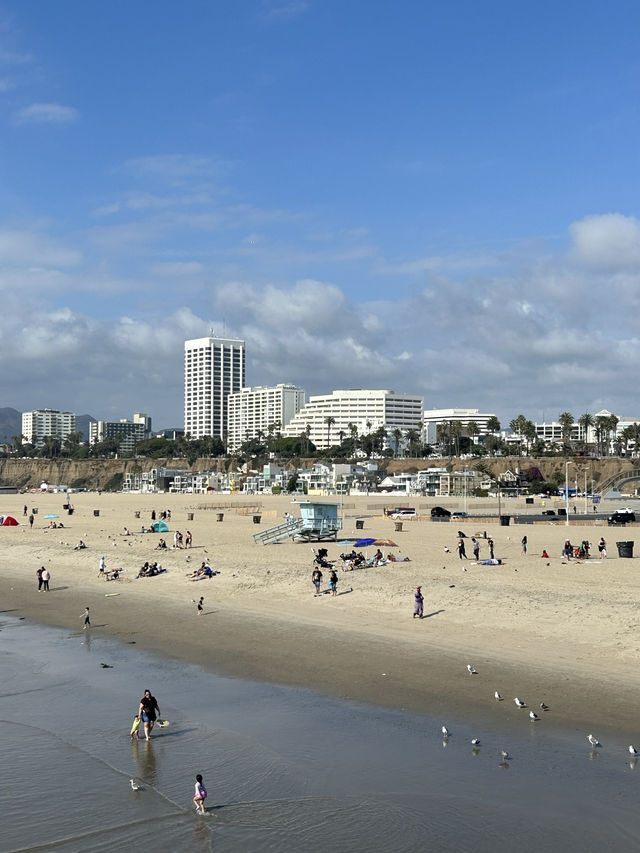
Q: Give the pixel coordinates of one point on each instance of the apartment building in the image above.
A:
(433, 418)
(366, 409)
(260, 411)
(128, 433)
(213, 368)
(42, 423)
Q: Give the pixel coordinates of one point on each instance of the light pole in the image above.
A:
(585, 488)
(566, 491)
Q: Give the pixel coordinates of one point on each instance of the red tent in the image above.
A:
(9, 521)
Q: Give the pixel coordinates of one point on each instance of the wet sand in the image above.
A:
(543, 630)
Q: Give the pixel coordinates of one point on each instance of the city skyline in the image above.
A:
(436, 199)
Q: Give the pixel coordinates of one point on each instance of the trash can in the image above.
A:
(70, 510)
(35, 510)
(96, 512)
(562, 510)
(528, 500)
(625, 549)
(219, 516)
(398, 525)
(189, 516)
(256, 519)
(359, 524)
(504, 520)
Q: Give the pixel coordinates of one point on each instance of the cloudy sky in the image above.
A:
(436, 197)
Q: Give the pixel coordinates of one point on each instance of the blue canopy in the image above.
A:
(364, 543)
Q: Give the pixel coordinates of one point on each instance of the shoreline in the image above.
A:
(538, 631)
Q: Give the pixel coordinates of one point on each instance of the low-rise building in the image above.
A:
(127, 433)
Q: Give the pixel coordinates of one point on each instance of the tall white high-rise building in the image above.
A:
(260, 411)
(42, 423)
(213, 369)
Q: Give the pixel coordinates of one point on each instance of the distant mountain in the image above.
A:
(10, 423)
(82, 425)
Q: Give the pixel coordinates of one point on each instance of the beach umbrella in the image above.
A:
(386, 542)
(51, 515)
(364, 543)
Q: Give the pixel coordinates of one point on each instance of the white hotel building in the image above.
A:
(257, 411)
(213, 369)
(41, 423)
(359, 407)
(434, 417)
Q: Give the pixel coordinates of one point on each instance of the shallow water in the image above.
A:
(286, 769)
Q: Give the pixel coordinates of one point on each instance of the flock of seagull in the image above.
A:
(534, 717)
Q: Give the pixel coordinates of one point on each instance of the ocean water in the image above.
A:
(286, 769)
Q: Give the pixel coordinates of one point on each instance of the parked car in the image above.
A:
(625, 511)
(440, 512)
(455, 515)
(548, 512)
(401, 512)
(622, 517)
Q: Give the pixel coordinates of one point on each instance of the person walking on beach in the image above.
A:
(39, 576)
(200, 607)
(602, 548)
(418, 603)
(24, 512)
(134, 728)
(31, 520)
(476, 548)
(147, 711)
(490, 544)
(188, 539)
(87, 619)
(316, 580)
(524, 545)
(461, 550)
(200, 795)
(46, 577)
(333, 581)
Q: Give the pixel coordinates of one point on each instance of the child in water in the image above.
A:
(134, 727)
(200, 795)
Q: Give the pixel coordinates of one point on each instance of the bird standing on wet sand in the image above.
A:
(472, 670)
(520, 703)
(134, 786)
(593, 740)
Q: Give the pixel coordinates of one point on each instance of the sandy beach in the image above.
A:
(541, 629)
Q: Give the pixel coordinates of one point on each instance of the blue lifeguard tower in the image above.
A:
(320, 520)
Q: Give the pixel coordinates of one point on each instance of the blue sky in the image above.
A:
(438, 197)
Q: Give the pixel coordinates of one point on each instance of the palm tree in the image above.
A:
(472, 430)
(397, 438)
(413, 438)
(442, 431)
(493, 424)
(329, 421)
(342, 435)
(584, 422)
(566, 421)
(517, 425)
(307, 432)
(456, 432)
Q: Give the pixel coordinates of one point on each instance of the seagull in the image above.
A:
(476, 741)
(533, 716)
(544, 707)
(464, 569)
(633, 750)
(520, 703)
(106, 666)
(472, 670)
(134, 786)
(497, 696)
(504, 754)
(593, 740)
(445, 731)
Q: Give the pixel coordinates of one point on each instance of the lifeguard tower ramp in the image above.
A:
(289, 528)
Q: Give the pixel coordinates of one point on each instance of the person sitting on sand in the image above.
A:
(378, 559)
(127, 532)
(544, 554)
(80, 546)
(567, 551)
(161, 546)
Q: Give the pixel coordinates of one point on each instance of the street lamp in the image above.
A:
(585, 488)
(566, 490)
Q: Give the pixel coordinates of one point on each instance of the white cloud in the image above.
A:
(174, 167)
(32, 249)
(283, 9)
(608, 242)
(46, 113)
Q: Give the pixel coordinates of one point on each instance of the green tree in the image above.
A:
(493, 424)
(397, 438)
(329, 421)
(585, 421)
(566, 421)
